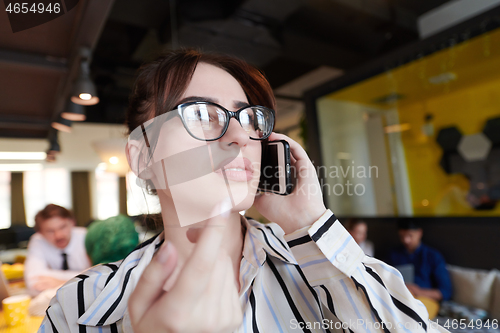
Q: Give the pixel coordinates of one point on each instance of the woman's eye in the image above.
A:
(251, 117)
(200, 115)
(247, 118)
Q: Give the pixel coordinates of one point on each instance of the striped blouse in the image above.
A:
(316, 279)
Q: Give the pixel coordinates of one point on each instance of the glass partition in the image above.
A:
(422, 139)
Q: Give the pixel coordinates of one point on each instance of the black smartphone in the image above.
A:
(275, 169)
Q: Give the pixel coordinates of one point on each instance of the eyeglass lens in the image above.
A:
(207, 121)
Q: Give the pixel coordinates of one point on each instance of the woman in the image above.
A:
(359, 230)
(212, 270)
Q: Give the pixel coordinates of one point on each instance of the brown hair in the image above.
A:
(51, 211)
(161, 83)
(352, 223)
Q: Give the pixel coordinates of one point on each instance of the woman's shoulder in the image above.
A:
(77, 294)
(97, 275)
(92, 282)
(86, 298)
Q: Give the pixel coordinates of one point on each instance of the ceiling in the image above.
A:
(455, 70)
(287, 39)
(39, 64)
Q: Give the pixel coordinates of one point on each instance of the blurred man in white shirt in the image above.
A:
(56, 252)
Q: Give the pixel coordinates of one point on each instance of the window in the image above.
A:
(106, 194)
(4, 199)
(427, 125)
(43, 187)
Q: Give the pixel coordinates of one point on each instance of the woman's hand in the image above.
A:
(204, 297)
(305, 204)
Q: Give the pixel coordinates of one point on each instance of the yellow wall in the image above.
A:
(468, 110)
(465, 102)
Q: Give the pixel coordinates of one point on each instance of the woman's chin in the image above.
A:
(206, 193)
(245, 204)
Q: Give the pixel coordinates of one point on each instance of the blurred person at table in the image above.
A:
(431, 280)
(359, 230)
(106, 241)
(56, 252)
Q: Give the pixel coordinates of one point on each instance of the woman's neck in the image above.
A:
(232, 244)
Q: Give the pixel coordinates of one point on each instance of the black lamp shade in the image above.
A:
(54, 148)
(84, 91)
(74, 112)
(62, 124)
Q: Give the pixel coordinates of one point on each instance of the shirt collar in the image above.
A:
(265, 239)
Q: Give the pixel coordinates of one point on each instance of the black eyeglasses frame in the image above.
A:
(230, 114)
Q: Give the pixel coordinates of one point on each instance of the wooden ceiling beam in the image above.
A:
(33, 60)
(18, 122)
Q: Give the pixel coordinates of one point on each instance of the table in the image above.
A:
(31, 326)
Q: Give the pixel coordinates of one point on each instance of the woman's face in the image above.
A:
(359, 232)
(182, 157)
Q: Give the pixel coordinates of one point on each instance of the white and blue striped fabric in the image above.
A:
(314, 280)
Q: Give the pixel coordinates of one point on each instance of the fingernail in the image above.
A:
(164, 253)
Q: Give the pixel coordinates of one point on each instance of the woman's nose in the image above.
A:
(236, 134)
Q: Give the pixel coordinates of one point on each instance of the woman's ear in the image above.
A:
(136, 159)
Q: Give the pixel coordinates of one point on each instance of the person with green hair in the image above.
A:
(111, 240)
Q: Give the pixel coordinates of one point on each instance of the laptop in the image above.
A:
(408, 272)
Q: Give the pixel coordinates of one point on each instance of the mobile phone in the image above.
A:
(275, 168)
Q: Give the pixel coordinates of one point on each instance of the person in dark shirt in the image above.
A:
(431, 280)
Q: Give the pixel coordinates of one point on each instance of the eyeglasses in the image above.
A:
(208, 121)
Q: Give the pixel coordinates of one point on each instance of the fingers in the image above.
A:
(222, 309)
(150, 285)
(193, 234)
(297, 151)
(215, 295)
(302, 167)
(195, 276)
(205, 289)
(230, 303)
(237, 311)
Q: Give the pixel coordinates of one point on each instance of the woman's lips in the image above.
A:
(238, 170)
